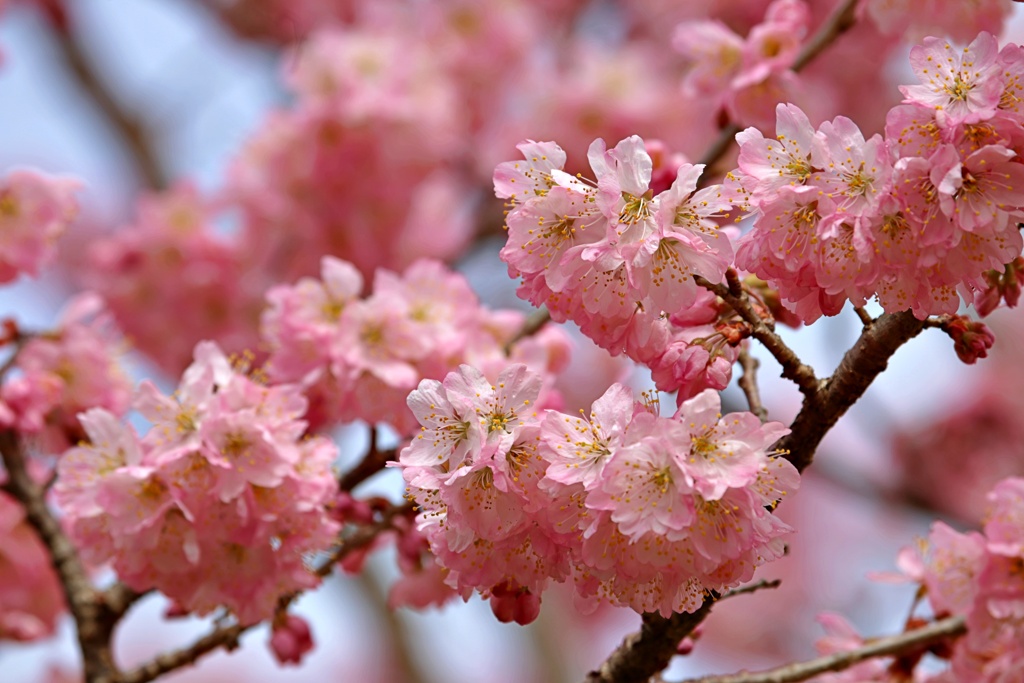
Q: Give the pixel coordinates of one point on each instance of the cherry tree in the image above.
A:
(673, 189)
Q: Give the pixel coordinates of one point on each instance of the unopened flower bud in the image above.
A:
(290, 639)
(971, 339)
(512, 603)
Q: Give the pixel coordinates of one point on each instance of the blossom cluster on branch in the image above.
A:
(974, 576)
(632, 508)
(912, 219)
(217, 504)
(358, 358)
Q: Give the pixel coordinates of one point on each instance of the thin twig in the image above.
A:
(20, 340)
(868, 357)
(361, 538)
(372, 463)
(748, 383)
(903, 643)
(131, 130)
(537, 320)
(401, 644)
(792, 367)
(841, 20)
(222, 636)
(864, 316)
(752, 588)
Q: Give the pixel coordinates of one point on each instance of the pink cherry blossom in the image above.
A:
(170, 265)
(855, 172)
(579, 447)
(644, 486)
(961, 86)
(519, 181)
(68, 372)
(35, 210)
(715, 51)
(725, 450)
(619, 260)
(1004, 525)
(990, 189)
(768, 164)
(290, 639)
(960, 21)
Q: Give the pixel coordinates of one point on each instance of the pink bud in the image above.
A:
(291, 639)
(354, 561)
(513, 603)
(504, 607)
(527, 608)
(687, 644)
(971, 339)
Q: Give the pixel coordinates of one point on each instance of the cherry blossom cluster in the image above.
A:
(219, 504)
(376, 96)
(59, 374)
(913, 218)
(745, 77)
(430, 95)
(632, 508)
(974, 575)
(358, 358)
(619, 259)
(171, 265)
(35, 210)
(961, 21)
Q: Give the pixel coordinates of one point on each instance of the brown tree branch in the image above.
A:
(868, 357)
(643, 654)
(131, 129)
(903, 643)
(792, 367)
(748, 383)
(119, 598)
(94, 622)
(370, 465)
